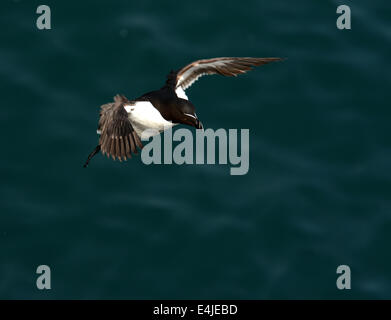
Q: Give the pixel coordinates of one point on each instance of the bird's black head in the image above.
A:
(187, 114)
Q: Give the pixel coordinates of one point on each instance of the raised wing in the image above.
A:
(118, 138)
(227, 66)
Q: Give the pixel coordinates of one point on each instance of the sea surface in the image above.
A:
(317, 194)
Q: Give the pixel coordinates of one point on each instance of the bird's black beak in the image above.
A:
(192, 120)
(199, 125)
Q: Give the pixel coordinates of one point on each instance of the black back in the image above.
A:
(167, 103)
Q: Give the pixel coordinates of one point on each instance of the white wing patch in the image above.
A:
(191, 83)
(181, 93)
(188, 73)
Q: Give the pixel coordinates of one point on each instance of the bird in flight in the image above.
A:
(122, 122)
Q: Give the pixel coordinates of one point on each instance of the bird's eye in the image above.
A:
(132, 109)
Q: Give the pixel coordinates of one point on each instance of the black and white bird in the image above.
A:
(123, 121)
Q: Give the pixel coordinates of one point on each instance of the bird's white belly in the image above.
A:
(143, 115)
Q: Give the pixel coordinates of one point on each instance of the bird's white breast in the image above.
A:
(143, 115)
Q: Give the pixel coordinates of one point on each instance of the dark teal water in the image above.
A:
(318, 192)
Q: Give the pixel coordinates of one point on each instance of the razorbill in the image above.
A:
(122, 121)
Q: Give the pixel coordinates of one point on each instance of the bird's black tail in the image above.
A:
(92, 154)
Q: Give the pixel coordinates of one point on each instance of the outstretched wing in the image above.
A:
(227, 66)
(118, 138)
